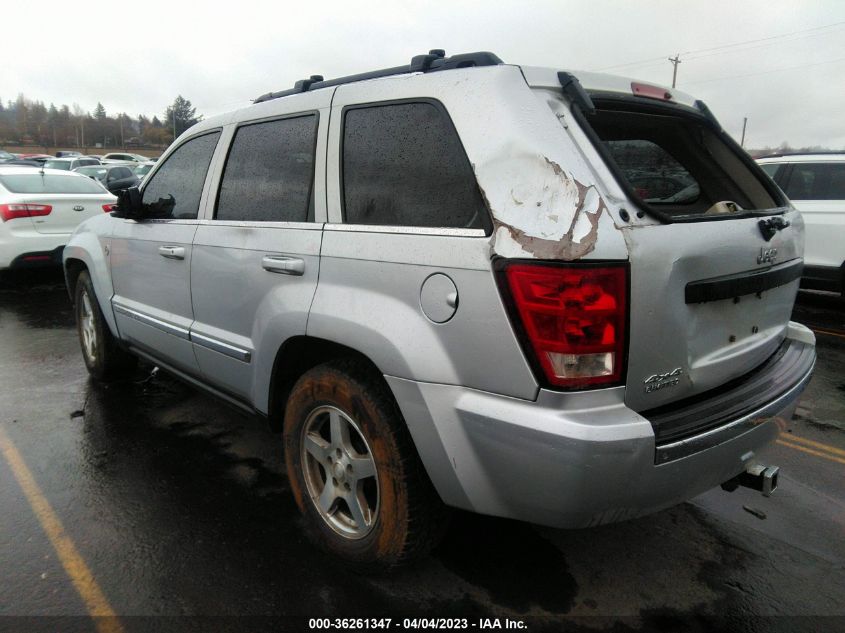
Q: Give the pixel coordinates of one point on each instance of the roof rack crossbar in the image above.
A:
(435, 60)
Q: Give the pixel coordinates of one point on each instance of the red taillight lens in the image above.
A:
(14, 211)
(575, 318)
(108, 208)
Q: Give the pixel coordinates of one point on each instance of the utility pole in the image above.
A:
(120, 116)
(174, 124)
(82, 127)
(744, 123)
(675, 61)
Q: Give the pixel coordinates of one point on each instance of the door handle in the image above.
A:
(172, 252)
(283, 265)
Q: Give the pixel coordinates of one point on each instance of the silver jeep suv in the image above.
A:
(557, 297)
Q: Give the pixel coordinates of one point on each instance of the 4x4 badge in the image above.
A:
(661, 381)
(767, 255)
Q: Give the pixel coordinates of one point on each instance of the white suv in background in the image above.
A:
(816, 185)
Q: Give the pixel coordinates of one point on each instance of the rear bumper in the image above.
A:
(38, 259)
(578, 459)
(22, 247)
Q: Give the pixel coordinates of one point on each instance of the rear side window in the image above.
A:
(816, 181)
(676, 165)
(176, 188)
(269, 174)
(771, 169)
(36, 183)
(404, 165)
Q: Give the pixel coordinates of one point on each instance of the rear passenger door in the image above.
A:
(256, 257)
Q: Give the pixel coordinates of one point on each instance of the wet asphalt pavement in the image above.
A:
(179, 506)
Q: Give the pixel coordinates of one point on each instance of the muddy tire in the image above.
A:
(354, 472)
(104, 358)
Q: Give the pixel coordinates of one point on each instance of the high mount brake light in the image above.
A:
(652, 92)
(20, 210)
(575, 320)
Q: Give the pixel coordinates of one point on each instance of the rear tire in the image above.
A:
(354, 472)
(103, 357)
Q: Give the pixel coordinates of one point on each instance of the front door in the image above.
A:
(151, 258)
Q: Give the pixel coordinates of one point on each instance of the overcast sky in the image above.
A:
(136, 57)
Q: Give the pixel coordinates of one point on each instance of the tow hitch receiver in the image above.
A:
(757, 477)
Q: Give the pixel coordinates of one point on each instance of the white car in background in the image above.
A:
(816, 185)
(122, 157)
(40, 208)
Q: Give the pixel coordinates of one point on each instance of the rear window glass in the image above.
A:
(99, 172)
(678, 166)
(654, 174)
(47, 183)
(57, 164)
(120, 172)
(816, 181)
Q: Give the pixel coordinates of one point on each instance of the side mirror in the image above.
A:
(129, 204)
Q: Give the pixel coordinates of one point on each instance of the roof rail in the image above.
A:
(435, 60)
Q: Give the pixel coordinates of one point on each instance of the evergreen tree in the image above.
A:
(181, 115)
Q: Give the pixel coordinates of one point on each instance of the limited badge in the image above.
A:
(662, 381)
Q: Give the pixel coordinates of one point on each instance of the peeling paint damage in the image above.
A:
(547, 213)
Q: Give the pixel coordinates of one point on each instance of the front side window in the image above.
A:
(176, 188)
(269, 173)
(404, 165)
(816, 181)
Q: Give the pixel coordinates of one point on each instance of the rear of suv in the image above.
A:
(556, 297)
(815, 183)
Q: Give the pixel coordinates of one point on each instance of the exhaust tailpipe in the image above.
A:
(757, 477)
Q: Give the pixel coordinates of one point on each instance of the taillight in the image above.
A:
(108, 208)
(574, 317)
(14, 211)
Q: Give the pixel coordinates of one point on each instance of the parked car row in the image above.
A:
(133, 167)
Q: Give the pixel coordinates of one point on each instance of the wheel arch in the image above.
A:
(85, 254)
(296, 356)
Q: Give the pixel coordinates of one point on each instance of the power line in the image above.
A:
(766, 72)
(766, 39)
(725, 46)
